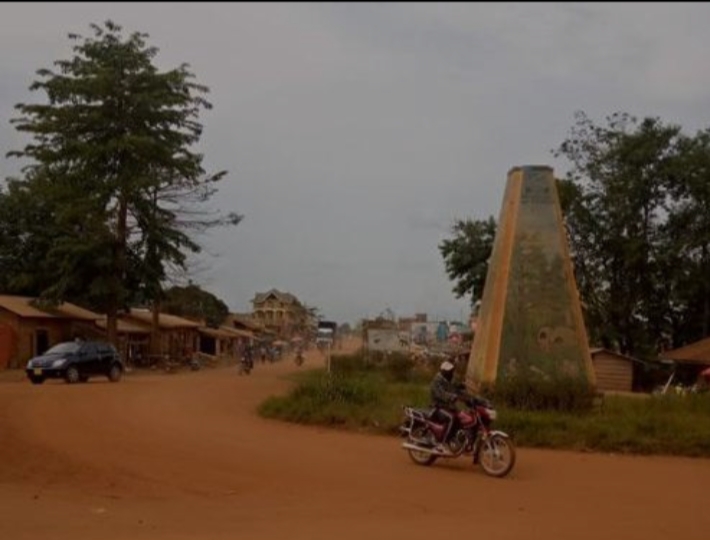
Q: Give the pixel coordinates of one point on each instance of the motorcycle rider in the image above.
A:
(248, 356)
(444, 394)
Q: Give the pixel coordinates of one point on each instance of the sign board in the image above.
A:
(326, 332)
(387, 340)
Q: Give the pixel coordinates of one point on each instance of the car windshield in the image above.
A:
(64, 348)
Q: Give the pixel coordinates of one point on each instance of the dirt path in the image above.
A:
(184, 456)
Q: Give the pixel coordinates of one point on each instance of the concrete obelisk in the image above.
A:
(530, 322)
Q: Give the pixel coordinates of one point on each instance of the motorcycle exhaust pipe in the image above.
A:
(410, 446)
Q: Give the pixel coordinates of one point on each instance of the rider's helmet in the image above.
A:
(447, 370)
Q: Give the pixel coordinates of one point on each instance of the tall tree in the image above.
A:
(112, 158)
(466, 255)
(688, 240)
(622, 171)
(636, 204)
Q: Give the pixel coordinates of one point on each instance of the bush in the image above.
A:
(337, 388)
(538, 394)
(641, 425)
(370, 400)
(394, 367)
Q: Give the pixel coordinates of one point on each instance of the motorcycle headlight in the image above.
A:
(492, 414)
(58, 363)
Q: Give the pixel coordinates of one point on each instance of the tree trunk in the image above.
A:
(706, 294)
(112, 325)
(156, 346)
(117, 279)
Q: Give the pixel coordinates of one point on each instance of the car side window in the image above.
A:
(88, 350)
(106, 350)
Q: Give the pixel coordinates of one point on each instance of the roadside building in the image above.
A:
(28, 329)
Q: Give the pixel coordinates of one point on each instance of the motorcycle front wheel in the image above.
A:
(497, 455)
(419, 434)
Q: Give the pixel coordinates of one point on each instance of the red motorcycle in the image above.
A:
(471, 434)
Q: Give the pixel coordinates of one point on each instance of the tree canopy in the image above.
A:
(636, 202)
(193, 302)
(111, 191)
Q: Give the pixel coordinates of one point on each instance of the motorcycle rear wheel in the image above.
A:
(420, 458)
(497, 455)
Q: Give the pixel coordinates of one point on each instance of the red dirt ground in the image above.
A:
(171, 457)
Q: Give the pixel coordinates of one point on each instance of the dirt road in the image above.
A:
(171, 457)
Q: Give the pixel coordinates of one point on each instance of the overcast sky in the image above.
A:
(355, 134)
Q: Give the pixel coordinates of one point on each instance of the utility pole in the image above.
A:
(327, 357)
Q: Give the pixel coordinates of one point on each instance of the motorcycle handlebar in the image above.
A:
(474, 401)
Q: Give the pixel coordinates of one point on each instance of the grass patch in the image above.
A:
(359, 401)
(673, 425)
(541, 394)
(366, 395)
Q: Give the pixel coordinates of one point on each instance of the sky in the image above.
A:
(355, 134)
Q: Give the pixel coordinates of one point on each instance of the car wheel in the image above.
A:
(72, 375)
(114, 374)
(84, 378)
(36, 380)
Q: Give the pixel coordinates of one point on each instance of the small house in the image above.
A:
(223, 342)
(614, 371)
(690, 359)
(179, 337)
(28, 329)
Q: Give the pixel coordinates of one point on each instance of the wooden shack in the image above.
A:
(28, 329)
(614, 371)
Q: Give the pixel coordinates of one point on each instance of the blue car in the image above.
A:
(76, 361)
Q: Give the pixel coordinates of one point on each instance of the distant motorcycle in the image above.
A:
(299, 359)
(471, 435)
(245, 366)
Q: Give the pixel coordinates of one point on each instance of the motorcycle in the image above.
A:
(471, 434)
(299, 359)
(245, 366)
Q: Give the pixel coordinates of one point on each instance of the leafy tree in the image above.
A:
(688, 240)
(305, 320)
(112, 168)
(622, 172)
(345, 329)
(193, 302)
(466, 255)
(24, 240)
(636, 205)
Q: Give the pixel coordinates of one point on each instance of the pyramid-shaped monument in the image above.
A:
(530, 322)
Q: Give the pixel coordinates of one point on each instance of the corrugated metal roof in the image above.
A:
(597, 350)
(22, 307)
(165, 321)
(224, 332)
(240, 333)
(215, 332)
(125, 327)
(245, 320)
(696, 353)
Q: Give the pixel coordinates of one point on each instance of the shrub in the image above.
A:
(336, 388)
(538, 394)
(365, 400)
(394, 367)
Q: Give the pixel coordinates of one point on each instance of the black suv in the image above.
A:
(76, 361)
